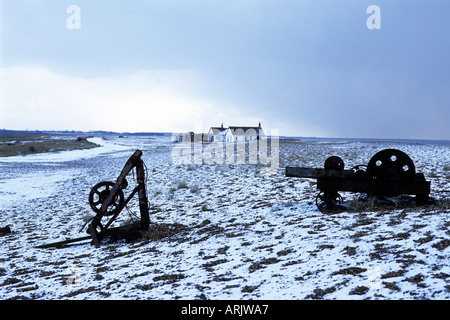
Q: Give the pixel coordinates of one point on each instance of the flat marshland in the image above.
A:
(25, 144)
(222, 231)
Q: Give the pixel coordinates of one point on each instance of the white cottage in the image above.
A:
(244, 133)
(217, 134)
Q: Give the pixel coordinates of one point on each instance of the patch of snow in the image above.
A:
(245, 235)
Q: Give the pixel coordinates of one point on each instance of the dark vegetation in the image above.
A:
(25, 144)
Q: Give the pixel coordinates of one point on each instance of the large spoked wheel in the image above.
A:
(391, 164)
(100, 192)
(328, 201)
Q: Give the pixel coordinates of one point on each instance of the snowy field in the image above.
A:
(222, 231)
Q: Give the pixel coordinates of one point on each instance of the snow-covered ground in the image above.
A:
(221, 231)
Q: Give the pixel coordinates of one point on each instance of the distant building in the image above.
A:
(180, 137)
(190, 137)
(244, 133)
(177, 137)
(222, 134)
(235, 133)
(217, 134)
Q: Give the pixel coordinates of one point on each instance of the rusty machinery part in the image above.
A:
(359, 171)
(107, 199)
(389, 173)
(391, 164)
(328, 201)
(334, 163)
(100, 192)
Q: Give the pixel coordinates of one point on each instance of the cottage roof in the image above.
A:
(237, 130)
(217, 130)
(243, 130)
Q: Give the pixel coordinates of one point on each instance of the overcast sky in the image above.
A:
(306, 68)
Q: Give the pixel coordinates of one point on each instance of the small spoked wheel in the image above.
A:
(98, 195)
(328, 201)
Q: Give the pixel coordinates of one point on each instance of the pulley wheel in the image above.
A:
(391, 164)
(100, 192)
(335, 163)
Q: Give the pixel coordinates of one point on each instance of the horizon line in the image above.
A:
(3, 130)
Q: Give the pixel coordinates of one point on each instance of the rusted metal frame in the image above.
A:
(332, 180)
(61, 243)
(94, 235)
(133, 161)
(314, 173)
(414, 187)
(142, 195)
(111, 220)
(389, 173)
(98, 236)
(111, 232)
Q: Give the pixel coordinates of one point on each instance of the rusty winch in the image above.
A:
(390, 173)
(107, 199)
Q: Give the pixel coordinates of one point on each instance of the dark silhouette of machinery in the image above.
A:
(107, 199)
(390, 172)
